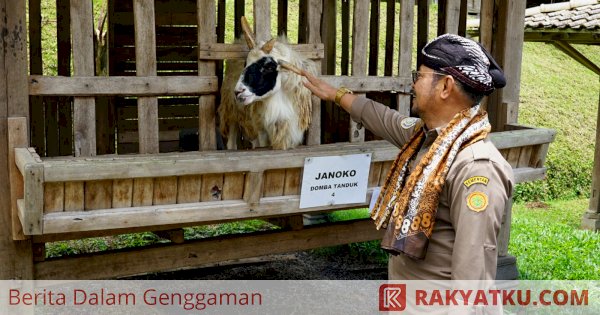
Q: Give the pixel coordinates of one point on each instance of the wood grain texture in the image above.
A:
(188, 188)
(143, 191)
(98, 194)
(233, 186)
(145, 64)
(54, 197)
(17, 138)
(74, 198)
(84, 117)
(122, 196)
(122, 86)
(165, 190)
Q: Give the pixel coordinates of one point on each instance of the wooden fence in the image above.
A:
(99, 159)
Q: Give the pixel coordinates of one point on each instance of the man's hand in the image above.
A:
(319, 87)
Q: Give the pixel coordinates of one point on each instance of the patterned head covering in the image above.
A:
(465, 60)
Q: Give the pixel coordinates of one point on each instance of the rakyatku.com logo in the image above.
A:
(399, 297)
(392, 297)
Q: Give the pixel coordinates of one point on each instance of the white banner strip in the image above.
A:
(299, 297)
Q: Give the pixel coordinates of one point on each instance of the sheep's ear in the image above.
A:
(268, 46)
(247, 33)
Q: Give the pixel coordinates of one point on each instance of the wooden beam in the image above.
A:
(207, 138)
(262, 20)
(452, 15)
(520, 138)
(145, 65)
(17, 138)
(122, 86)
(15, 256)
(405, 50)
(314, 14)
(199, 213)
(15, 58)
(192, 163)
(509, 53)
(219, 51)
(578, 56)
(486, 24)
(110, 265)
(84, 113)
(34, 199)
(360, 34)
(529, 174)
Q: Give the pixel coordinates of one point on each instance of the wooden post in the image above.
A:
(360, 34)
(145, 65)
(17, 138)
(591, 218)
(452, 16)
(508, 51)
(211, 185)
(206, 36)
(16, 257)
(262, 20)
(405, 58)
(84, 118)
(315, 10)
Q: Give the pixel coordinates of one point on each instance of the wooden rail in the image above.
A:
(109, 184)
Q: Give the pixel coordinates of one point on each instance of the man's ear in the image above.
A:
(447, 85)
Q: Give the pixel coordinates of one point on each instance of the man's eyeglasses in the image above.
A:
(416, 75)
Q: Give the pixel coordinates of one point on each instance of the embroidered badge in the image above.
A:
(408, 122)
(476, 180)
(477, 201)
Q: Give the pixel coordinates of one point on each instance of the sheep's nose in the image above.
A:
(239, 90)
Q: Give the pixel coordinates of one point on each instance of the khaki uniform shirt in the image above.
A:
(463, 243)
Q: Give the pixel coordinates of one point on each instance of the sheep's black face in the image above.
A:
(258, 81)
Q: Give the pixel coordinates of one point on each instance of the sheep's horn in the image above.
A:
(286, 65)
(268, 46)
(247, 33)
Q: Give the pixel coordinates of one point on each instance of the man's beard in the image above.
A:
(414, 110)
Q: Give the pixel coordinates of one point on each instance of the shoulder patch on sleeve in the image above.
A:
(477, 201)
(408, 122)
(476, 180)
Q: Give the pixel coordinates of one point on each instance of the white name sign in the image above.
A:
(335, 180)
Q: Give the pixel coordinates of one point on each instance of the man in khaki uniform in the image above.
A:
(445, 195)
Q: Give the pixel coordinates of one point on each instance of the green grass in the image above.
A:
(559, 93)
(548, 243)
(545, 238)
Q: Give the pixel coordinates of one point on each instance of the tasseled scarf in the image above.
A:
(412, 201)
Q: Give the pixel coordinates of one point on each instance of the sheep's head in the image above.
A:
(261, 78)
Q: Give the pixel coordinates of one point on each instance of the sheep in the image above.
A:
(268, 106)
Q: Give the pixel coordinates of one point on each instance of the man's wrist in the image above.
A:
(340, 93)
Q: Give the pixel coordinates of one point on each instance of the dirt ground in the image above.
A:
(308, 265)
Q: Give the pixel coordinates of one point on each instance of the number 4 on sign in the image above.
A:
(333, 195)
